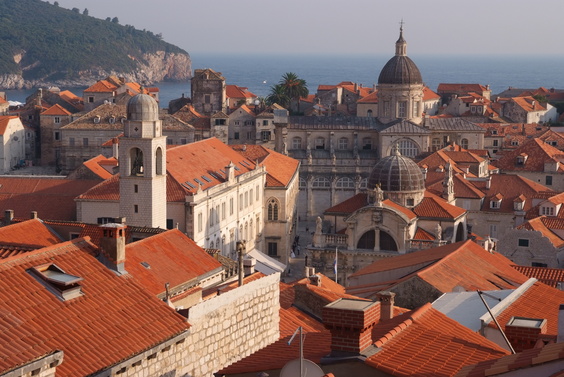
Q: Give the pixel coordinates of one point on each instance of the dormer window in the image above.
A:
(547, 210)
(57, 281)
(521, 159)
(495, 202)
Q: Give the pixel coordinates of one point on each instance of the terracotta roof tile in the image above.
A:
(56, 110)
(99, 165)
(280, 169)
(548, 276)
(5, 120)
(436, 207)
(540, 224)
(101, 86)
(537, 152)
(52, 198)
(173, 258)
(25, 236)
(40, 322)
(371, 98)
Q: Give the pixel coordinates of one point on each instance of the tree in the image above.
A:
(294, 87)
(56, 3)
(85, 12)
(115, 20)
(76, 10)
(278, 95)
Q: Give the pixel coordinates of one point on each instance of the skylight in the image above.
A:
(198, 181)
(206, 178)
(55, 279)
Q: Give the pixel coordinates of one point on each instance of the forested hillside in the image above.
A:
(43, 41)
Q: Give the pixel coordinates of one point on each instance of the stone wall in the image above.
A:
(232, 326)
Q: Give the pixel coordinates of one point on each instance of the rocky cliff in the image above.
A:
(154, 67)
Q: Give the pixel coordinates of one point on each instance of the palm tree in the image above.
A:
(294, 87)
(278, 95)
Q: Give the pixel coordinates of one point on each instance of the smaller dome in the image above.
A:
(398, 174)
(142, 107)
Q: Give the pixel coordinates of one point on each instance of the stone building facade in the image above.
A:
(208, 92)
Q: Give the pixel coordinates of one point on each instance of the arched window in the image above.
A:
(369, 113)
(344, 183)
(272, 209)
(363, 183)
(302, 183)
(407, 148)
(343, 143)
(297, 143)
(464, 143)
(136, 158)
(159, 161)
(321, 182)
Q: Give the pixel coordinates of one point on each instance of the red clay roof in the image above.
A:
(102, 86)
(280, 169)
(548, 276)
(56, 110)
(537, 152)
(52, 198)
(25, 236)
(96, 165)
(463, 88)
(428, 94)
(4, 121)
(542, 225)
(234, 91)
(371, 98)
(113, 320)
(437, 207)
(448, 346)
(173, 258)
(464, 264)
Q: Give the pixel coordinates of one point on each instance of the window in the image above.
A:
(343, 143)
(183, 141)
(90, 99)
(364, 183)
(495, 204)
(231, 206)
(386, 108)
(407, 148)
(464, 143)
(136, 188)
(272, 210)
(250, 135)
(493, 230)
(523, 242)
(240, 202)
(200, 222)
(265, 135)
(495, 143)
(547, 210)
(369, 113)
(258, 193)
(410, 202)
(272, 249)
(514, 143)
(302, 183)
(436, 144)
(344, 183)
(136, 208)
(220, 122)
(246, 199)
(57, 120)
(57, 281)
(57, 135)
(223, 211)
(548, 180)
(402, 109)
(415, 109)
(236, 136)
(85, 142)
(321, 182)
(207, 98)
(169, 223)
(169, 141)
(251, 196)
(297, 143)
(265, 122)
(210, 219)
(71, 141)
(105, 220)
(320, 143)
(367, 143)
(537, 264)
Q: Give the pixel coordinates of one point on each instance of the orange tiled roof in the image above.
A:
(548, 276)
(538, 301)
(173, 258)
(39, 322)
(56, 109)
(234, 91)
(538, 153)
(401, 352)
(510, 186)
(529, 104)
(52, 198)
(429, 95)
(437, 207)
(96, 165)
(279, 168)
(371, 98)
(25, 236)
(4, 121)
(464, 88)
(462, 263)
(101, 86)
(541, 224)
(422, 234)
(519, 362)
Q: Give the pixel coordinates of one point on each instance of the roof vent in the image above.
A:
(57, 281)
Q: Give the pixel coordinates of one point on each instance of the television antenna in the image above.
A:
(301, 367)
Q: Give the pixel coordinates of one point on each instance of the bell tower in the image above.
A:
(142, 165)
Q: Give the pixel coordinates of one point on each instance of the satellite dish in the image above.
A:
(292, 369)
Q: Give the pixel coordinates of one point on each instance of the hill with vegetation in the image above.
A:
(43, 43)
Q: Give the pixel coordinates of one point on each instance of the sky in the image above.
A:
(447, 27)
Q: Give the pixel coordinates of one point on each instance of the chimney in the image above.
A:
(230, 172)
(249, 265)
(350, 322)
(386, 299)
(33, 215)
(315, 280)
(8, 216)
(524, 333)
(112, 244)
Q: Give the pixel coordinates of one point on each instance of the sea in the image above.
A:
(259, 72)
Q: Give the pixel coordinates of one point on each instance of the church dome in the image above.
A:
(397, 173)
(400, 69)
(142, 107)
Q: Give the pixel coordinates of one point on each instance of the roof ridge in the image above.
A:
(56, 248)
(506, 302)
